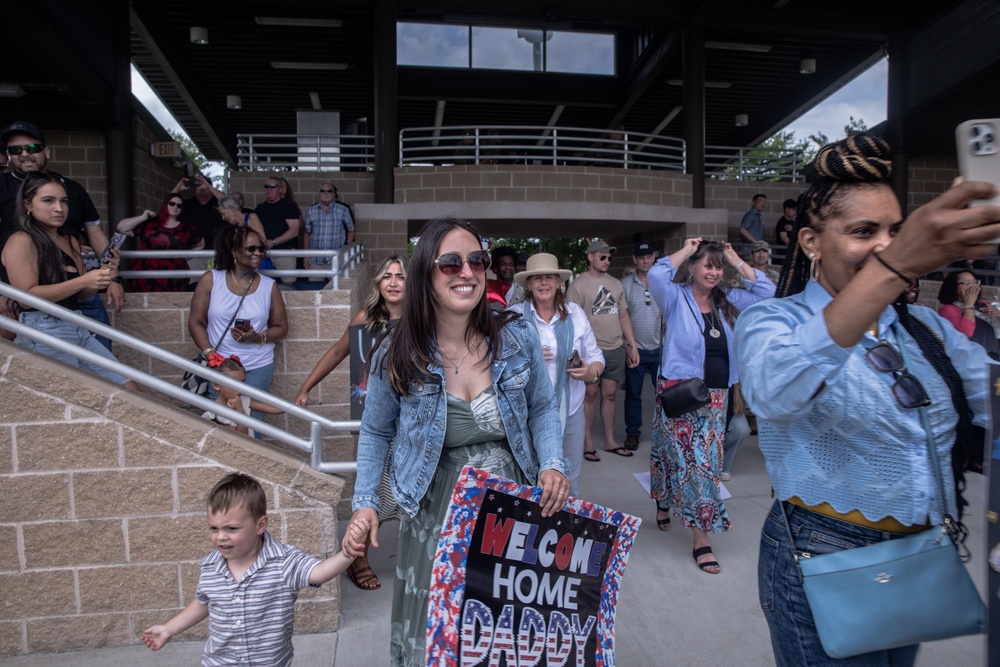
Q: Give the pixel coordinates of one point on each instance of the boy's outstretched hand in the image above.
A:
(155, 637)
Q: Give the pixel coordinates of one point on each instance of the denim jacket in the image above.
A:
(415, 423)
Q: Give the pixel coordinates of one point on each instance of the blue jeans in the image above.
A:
(95, 310)
(258, 378)
(71, 334)
(779, 583)
(737, 431)
(649, 362)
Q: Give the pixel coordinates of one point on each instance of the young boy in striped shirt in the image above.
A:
(249, 584)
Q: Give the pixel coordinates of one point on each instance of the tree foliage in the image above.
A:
(191, 150)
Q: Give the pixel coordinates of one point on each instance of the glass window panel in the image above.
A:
(501, 48)
(426, 45)
(580, 53)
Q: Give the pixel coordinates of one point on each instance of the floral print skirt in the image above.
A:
(685, 462)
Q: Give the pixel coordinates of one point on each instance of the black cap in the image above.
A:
(643, 249)
(21, 127)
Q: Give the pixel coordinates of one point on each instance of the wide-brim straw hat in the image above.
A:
(542, 264)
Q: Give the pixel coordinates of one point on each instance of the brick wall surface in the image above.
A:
(103, 521)
(153, 177)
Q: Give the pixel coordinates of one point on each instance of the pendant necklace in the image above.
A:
(713, 332)
(467, 350)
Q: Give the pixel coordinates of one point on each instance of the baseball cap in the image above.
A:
(643, 249)
(21, 127)
(599, 246)
(760, 245)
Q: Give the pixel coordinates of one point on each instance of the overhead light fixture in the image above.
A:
(11, 90)
(234, 102)
(742, 120)
(739, 46)
(199, 35)
(313, 66)
(723, 85)
(807, 66)
(298, 23)
(314, 98)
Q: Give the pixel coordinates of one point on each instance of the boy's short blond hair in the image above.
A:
(238, 490)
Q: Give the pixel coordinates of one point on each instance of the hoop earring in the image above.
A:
(813, 267)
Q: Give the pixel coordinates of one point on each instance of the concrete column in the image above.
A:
(386, 117)
(118, 141)
(694, 107)
(895, 105)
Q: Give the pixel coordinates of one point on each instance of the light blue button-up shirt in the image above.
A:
(683, 353)
(830, 429)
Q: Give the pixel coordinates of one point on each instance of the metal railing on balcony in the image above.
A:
(539, 145)
(514, 144)
(313, 445)
(754, 164)
(302, 152)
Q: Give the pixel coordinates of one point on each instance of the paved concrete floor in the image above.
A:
(669, 612)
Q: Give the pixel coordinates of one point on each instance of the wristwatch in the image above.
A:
(118, 279)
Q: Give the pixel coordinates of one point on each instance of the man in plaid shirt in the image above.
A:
(329, 225)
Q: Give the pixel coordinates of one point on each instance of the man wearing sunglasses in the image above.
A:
(26, 152)
(280, 218)
(329, 225)
(602, 299)
(647, 324)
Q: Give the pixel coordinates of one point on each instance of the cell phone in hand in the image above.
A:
(574, 360)
(978, 143)
(242, 325)
(117, 239)
(192, 183)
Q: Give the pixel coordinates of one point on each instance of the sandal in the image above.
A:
(591, 455)
(363, 576)
(620, 451)
(704, 551)
(663, 524)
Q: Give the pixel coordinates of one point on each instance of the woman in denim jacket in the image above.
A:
(453, 385)
(841, 427)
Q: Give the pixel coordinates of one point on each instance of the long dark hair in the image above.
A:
(415, 337)
(859, 161)
(51, 270)
(715, 255)
(228, 239)
(948, 293)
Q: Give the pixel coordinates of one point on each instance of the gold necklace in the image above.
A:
(237, 283)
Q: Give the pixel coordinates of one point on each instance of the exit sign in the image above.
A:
(165, 149)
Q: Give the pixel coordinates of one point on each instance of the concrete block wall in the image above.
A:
(81, 156)
(153, 177)
(352, 187)
(103, 518)
(536, 183)
(737, 196)
(929, 177)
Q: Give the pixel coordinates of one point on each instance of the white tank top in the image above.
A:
(256, 308)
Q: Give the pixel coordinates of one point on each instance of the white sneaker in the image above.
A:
(725, 476)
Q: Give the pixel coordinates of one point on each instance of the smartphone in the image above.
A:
(574, 360)
(242, 325)
(117, 239)
(192, 183)
(978, 143)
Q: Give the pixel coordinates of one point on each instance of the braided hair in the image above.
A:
(859, 161)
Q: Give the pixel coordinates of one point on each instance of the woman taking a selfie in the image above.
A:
(452, 385)
(845, 379)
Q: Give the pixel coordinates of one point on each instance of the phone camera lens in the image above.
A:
(975, 131)
(988, 138)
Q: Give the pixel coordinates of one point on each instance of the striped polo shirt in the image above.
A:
(250, 622)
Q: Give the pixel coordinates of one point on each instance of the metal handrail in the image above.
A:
(312, 446)
(749, 163)
(539, 144)
(305, 152)
(343, 261)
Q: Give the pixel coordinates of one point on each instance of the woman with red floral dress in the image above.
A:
(163, 231)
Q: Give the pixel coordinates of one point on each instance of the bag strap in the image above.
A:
(235, 313)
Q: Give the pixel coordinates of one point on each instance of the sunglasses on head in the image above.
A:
(450, 263)
(271, 186)
(326, 190)
(31, 148)
(907, 390)
(251, 249)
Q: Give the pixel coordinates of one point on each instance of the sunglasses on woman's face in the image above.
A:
(175, 204)
(450, 263)
(251, 249)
